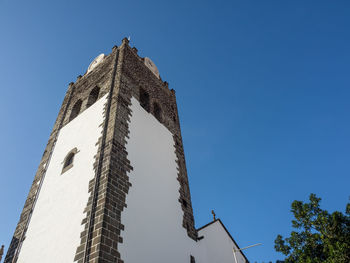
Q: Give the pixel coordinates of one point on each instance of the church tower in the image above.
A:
(112, 183)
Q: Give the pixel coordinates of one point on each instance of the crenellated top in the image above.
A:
(142, 77)
(100, 59)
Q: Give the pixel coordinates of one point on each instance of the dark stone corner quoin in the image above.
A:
(123, 75)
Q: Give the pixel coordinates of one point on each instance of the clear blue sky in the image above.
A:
(262, 88)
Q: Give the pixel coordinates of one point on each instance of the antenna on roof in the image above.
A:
(237, 250)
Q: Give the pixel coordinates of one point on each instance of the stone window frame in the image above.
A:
(92, 98)
(66, 166)
(76, 109)
(157, 110)
(144, 99)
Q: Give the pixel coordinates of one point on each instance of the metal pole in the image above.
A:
(251, 246)
(234, 250)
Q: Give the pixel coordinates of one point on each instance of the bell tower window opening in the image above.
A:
(93, 96)
(144, 99)
(75, 110)
(157, 111)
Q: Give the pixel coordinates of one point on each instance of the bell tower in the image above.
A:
(79, 196)
(112, 184)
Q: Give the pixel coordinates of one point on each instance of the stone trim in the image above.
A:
(116, 182)
(100, 238)
(91, 236)
(184, 191)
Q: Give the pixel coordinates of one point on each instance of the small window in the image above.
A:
(144, 99)
(68, 161)
(93, 96)
(157, 111)
(75, 110)
(192, 259)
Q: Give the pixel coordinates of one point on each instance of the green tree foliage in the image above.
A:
(319, 236)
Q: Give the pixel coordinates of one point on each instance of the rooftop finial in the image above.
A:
(214, 215)
(125, 41)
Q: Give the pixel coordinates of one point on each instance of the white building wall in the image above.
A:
(153, 217)
(54, 231)
(217, 245)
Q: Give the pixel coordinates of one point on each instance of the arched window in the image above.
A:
(68, 161)
(93, 96)
(157, 111)
(144, 99)
(75, 110)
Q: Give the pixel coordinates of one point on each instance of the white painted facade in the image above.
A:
(153, 218)
(217, 245)
(53, 233)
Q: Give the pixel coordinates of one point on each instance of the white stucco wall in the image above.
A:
(54, 231)
(217, 245)
(153, 217)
